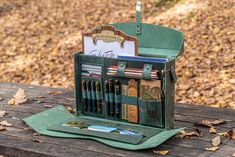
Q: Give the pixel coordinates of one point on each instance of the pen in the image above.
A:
(89, 98)
(117, 98)
(84, 94)
(93, 96)
(98, 97)
(111, 97)
(106, 83)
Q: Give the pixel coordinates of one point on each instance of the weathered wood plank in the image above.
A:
(44, 148)
(194, 146)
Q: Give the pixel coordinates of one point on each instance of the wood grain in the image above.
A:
(19, 140)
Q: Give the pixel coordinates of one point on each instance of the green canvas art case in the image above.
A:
(126, 102)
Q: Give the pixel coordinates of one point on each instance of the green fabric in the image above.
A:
(40, 122)
(155, 40)
(129, 100)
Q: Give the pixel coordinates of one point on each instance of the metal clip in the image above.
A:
(146, 75)
(121, 69)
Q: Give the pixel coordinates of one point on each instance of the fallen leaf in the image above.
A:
(1, 99)
(183, 134)
(11, 102)
(20, 97)
(2, 128)
(232, 134)
(220, 121)
(207, 123)
(2, 113)
(70, 108)
(36, 134)
(212, 130)
(212, 149)
(229, 134)
(225, 134)
(5, 123)
(54, 92)
(216, 141)
(197, 131)
(48, 106)
(40, 97)
(161, 152)
(36, 140)
(15, 118)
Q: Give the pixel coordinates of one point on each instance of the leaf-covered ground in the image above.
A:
(38, 38)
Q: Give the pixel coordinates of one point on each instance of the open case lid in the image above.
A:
(153, 40)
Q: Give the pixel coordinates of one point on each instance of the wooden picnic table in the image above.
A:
(21, 141)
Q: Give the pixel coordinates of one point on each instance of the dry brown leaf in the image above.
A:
(216, 141)
(212, 130)
(2, 128)
(48, 106)
(36, 134)
(2, 113)
(229, 134)
(220, 121)
(184, 134)
(54, 92)
(212, 149)
(36, 140)
(161, 152)
(20, 97)
(70, 108)
(11, 102)
(40, 97)
(1, 99)
(5, 123)
(197, 131)
(209, 124)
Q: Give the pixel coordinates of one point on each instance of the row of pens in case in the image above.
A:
(113, 98)
(92, 97)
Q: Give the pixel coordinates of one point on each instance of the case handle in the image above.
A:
(138, 17)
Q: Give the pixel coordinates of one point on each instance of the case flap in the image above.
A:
(155, 40)
(40, 122)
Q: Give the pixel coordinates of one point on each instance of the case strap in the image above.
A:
(146, 75)
(121, 69)
(173, 75)
(138, 17)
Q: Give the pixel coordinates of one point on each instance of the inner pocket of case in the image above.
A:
(121, 70)
(150, 112)
(132, 108)
(123, 132)
(92, 97)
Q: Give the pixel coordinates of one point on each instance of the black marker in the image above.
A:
(89, 98)
(106, 84)
(98, 97)
(111, 97)
(117, 98)
(84, 94)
